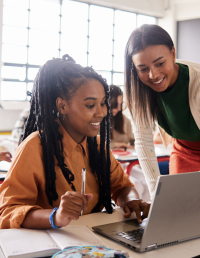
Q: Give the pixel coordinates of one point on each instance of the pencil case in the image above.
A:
(90, 251)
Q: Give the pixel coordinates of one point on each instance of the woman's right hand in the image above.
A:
(71, 205)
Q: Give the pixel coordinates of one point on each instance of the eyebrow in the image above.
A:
(92, 98)
(152, 62)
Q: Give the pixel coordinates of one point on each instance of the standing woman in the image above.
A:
(163, 89)
(69, 105)
(122, 133)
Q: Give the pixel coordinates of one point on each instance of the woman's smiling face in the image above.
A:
(155, 67)
(84, 111)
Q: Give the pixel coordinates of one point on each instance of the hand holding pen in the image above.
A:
(72, 204)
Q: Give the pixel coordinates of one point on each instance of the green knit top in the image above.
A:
(173, 112)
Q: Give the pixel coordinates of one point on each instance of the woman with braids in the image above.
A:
(69, 105)
(163, 89)
(122, 133)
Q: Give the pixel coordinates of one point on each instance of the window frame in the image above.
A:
(27, 65)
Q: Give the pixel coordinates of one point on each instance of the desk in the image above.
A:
(161, 152)
(187, 249)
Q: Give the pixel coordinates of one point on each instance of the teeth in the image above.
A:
(158, 81)
(95, 123)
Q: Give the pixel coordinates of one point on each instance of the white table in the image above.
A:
(162, 153)
(187, 249)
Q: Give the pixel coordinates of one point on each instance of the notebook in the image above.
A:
(174, 216)
(27, 243)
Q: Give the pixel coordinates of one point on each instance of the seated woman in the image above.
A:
(69, 105)
(122, 133)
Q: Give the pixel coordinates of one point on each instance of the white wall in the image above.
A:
(8, 119)
(178, 10)
(148, 7)
(187, 9)
(168, 21)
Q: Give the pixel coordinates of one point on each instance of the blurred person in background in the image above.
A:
(122, 133)
(6, 156)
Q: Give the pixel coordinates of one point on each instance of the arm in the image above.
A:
(23, 201)
(19, 191)
(146, 155)
(69, 209)
(124, 193)
(129, 200)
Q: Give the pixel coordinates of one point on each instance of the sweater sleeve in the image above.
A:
(19, 191)
(146, 155)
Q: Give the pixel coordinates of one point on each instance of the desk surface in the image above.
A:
(160, 151)
(187, 249)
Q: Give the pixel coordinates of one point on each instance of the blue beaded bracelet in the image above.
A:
(51, 218)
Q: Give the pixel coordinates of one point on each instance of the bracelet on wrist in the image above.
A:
(51, 218)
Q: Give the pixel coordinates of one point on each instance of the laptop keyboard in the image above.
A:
(133, 235)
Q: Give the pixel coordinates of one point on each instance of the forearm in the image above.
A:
(127, 194)
(144, 147)
(37, 219)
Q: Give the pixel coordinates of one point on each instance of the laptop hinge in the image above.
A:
(150, 247)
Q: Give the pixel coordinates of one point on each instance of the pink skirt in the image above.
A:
(185, 157)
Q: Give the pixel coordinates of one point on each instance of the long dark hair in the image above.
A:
(141, 100)
(56, 78)
(117, 121)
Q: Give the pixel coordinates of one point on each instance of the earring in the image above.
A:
(58, 114)
(63, 117)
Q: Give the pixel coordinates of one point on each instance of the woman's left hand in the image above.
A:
(129, 200)
(137, 206)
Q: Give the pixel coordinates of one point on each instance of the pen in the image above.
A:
(83, 184)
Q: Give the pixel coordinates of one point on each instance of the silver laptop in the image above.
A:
(174, 216)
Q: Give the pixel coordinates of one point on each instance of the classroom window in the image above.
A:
(32, 33)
